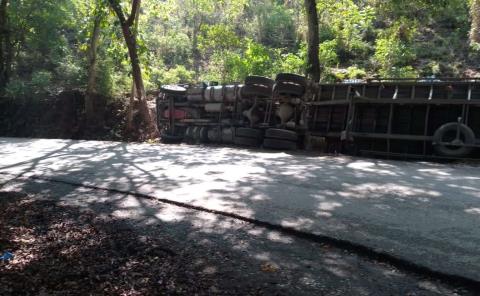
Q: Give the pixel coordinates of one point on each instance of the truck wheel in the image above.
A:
(170, 139)
(249, 91)
(249, 133)
(227, 135)
(447, 133)
(279, 144)
(281, 134)
(196, 134)
(288, 77)
(214, 135)
(289, 89)
(249, 142)
(259, 80)
(203, 135)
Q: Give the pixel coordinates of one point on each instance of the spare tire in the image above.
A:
(279, 144)
(281, 134)
(259, 80)
(447, 134)
(249, 133)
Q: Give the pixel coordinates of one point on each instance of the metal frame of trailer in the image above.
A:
(396, 116)
(392, 117)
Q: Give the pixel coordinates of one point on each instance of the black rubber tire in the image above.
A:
(460, 151)
(249, 142)
(198, 135)
(279, 144)
(249, 91)
(289, 89)
(248, 133)
(173, 90)
(259, 80)
(288, 77)
(189, 133)
(203, 135)
(281, 134)
(170, 139)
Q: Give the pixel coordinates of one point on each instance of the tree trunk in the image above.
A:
(90, 112)
(313, 62)
(475, 29)
(196, 51)
(4, 45)
(133, 93)
(131, 43)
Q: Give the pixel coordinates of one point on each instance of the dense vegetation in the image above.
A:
(51, 45)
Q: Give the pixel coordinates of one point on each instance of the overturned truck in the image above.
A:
(391, 117)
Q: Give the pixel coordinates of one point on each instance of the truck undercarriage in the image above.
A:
(392, 117)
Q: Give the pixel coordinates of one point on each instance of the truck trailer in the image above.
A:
(423, 118)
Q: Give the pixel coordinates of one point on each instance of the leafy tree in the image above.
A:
(126, 24)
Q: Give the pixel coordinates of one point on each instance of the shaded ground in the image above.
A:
(424, 213)
(78, 241)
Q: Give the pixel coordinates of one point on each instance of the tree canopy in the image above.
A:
(44, 45)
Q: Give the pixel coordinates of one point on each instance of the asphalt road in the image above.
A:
(425, 213)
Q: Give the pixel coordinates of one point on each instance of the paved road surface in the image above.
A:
(424, 212)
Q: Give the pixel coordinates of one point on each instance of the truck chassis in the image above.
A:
(391, 117)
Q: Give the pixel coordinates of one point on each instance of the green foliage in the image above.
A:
(328, 53)
(178, 74)
(193, 40)
(394, 50)
(39, 84)
(17, 89)
(356, 73)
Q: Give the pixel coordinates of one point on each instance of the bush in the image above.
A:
(41, 82)
(16, 89)
(328, 53)
(356, 73)
(176, 75)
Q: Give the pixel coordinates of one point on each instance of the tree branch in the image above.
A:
(133, 13)
(118, 10)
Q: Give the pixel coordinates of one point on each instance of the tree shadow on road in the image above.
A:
(336, 196)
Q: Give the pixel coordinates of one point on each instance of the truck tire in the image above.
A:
(249, 142)
(279, 144)
(227, 135)
(214, 135)
(203, 135)
(281, 134)
(249, 133)
(289, 89)
(189, 133)
(447, 133)
(259, 80)
(288, 77)
(171, 139)
(249, 91)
